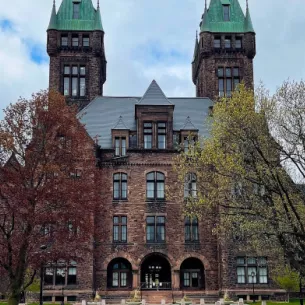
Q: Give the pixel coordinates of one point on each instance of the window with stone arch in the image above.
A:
(190, 185)
(155, 186)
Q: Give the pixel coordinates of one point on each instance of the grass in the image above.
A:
(291, 302)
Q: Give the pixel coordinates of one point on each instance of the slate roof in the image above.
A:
(102, 114)
(188, 125)
(154, 96)
(212, 19)
(89, 17)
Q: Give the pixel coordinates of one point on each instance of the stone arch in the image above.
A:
(167, 256)
(119, 254)
(202, 258)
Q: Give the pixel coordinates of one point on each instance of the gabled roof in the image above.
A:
(120, 124)
(154, 96)
(213, 19)
(89, 17)
(188, 125)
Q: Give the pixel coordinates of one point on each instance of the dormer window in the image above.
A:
(75, 10)
(226, 12)
(161, 135)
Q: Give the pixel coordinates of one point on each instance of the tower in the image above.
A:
(76, 49)
(224, 54)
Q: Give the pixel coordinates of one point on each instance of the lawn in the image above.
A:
(292, 302)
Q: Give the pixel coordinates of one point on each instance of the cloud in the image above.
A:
(147, 40)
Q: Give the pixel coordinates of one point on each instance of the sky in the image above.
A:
(146, 40)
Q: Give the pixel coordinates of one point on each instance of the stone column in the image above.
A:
(176, 279)
(135, 279)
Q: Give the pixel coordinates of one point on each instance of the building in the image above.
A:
(142, 239)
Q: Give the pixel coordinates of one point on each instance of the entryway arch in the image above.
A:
(192, 274)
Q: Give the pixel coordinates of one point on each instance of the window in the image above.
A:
(228, 43)
(61, 274)
(161, 135)
(119, 274)
(155, 185)
(120, 146)
(187, 142)
(86, 41)
(75, 41)
(217, 42)
(76, 11)
(226, 12)
(252, 270)
(120, 228)
(71, 280)
(190, 186)
(228, 80)
(191, 229)
(74, 80)
(120, 186)
(238, 43)
(147, 135)
(155, 229)
(64, 40)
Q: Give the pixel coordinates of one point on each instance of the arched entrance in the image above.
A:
(119, 274)
(156, 273)
(192, 274)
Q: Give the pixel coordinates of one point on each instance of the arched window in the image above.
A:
(190, 185)
(119, 274)
(155, 185)
(119, 186)
(191, 229)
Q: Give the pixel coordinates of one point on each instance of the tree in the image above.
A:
(243, 168)
(47, 189)
(287, 279)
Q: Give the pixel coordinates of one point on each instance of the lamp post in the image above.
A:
(253, 275)
(42, 248)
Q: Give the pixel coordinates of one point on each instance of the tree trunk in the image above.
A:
(288, 297)
(13, 299)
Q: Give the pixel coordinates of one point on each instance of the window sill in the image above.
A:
(192, 242)
(119, 243)
(117, 201)
(155, 243)
(155, 200)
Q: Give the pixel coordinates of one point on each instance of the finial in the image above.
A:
(98, 3)
(54, 2)
(247, 4)
(196, 34)
(205, 4)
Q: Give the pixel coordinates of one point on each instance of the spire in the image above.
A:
(53, 19)
(204, 25)
(98, 20)
(248, 22)
(196, 46)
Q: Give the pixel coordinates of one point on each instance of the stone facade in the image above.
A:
(213, 262)
(208, 60)
(92, 58)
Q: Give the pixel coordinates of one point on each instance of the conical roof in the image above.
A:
(154, 96)
(53, 19)
(196, 47)
(89, 18)
(213, 18)
(248, 22)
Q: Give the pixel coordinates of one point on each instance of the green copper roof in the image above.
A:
(89, 17)
(213, 18)
(196, 46)
(248, 22)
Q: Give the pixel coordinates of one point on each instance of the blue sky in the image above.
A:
(147, 40)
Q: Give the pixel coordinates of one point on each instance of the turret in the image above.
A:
(76, 49)
(226, 49)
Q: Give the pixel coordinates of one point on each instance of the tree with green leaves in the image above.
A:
(287, 279)
(247, 170)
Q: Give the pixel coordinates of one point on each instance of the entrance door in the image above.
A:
(155, 273)
(192, 274)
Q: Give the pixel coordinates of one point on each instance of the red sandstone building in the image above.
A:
(142, 239)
